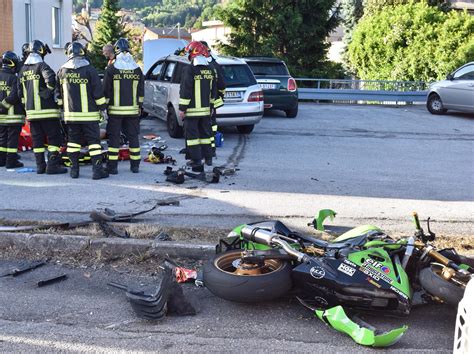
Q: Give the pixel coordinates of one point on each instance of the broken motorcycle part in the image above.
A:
(23, 268)
(52, 280)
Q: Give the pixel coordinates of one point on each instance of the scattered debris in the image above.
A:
(25, 170)
(184, 275)
(23, 268)
(163, 236)
(110, 231)
(52, 280)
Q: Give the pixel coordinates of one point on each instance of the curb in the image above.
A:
(75, 245)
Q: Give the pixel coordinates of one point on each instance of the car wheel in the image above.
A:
(292, 113)
(174, 129)
(435, 105)
(245, 129)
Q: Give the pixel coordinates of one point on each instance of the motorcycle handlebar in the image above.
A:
(265, 237)
(417, 221)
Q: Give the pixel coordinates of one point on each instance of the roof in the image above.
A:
(169, 31)
(263, 59)
(223, 60)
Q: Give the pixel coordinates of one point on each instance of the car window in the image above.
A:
(169, 71)
(155, 72)
(466, 73)
(238, 75)
(177, 73)
(270, 69)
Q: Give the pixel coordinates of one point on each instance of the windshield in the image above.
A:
(270, 69)
(238, 76)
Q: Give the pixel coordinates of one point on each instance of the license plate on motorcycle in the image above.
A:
(232, 94)
(267, 86)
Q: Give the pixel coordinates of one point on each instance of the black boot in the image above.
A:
(134, 165)
(98, 171)
(40, 164)
(54, 164)
(74, 158)
(3, 159)
(12, 161)
(112, 167)
(208, 161)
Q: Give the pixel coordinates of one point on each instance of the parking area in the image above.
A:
(369, 163)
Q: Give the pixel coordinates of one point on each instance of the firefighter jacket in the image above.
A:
(11, 110)
(219, 99)
(79, 91)
(198, 89)
(36, 89)
(124, 86)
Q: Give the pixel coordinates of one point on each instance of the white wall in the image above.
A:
(42, 27)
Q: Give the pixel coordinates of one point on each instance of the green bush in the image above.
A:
(411, 42)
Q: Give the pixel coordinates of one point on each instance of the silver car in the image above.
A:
(455, 93)
(243, 101)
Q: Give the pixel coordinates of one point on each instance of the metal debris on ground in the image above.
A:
(51, 280)
(163, 236)
(23, 268)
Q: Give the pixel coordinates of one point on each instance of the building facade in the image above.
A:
(22, 21)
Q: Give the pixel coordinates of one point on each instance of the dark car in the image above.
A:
(279, 88)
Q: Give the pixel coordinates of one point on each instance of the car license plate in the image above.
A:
(267, 86)
(232, 94)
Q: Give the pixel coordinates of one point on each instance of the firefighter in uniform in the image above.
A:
(80, 93)
(36, 91)
(196, 98)
(12, 115)
(124, 92)
(219, 99)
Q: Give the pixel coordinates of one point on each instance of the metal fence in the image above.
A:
(362, 91)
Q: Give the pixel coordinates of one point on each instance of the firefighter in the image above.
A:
(36, 91)
(80, 94)
(12, 115)
(124, 90)
(219, 99)
(196, 98)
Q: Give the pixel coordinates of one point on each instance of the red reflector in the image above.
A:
(256, 96)
(292, 84)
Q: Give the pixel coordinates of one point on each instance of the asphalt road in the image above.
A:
(83, 314)
(371, 164)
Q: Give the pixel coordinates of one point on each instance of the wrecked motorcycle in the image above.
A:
(362, 270)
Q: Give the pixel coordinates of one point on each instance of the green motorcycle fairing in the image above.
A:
(355, 232)
(336, 318)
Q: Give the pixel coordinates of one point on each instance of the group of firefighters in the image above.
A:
(76, 98)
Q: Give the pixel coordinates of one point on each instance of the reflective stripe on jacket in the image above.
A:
(11, 111)
(79, 91)
(36, 91)
(197, 91)
(124, 91)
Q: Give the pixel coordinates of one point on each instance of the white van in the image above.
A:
(243, 101)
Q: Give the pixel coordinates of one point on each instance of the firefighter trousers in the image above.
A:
(9, 135)
(43, 129)
(130, 126)
(214, 131)
(198, 132)
(88, 132)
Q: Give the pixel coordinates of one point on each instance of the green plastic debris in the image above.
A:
(322, 215)
(336, 318)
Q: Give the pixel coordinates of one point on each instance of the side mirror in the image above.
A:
(450, 77)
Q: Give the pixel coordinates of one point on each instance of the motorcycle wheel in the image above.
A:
(432, 281)
(268, 282)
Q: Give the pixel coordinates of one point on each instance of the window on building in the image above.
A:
(29, 35)
(56, 26)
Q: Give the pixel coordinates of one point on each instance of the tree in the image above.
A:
(295, 31)
(411, 42)
(108, 30)
(373, 6)
(351, 13)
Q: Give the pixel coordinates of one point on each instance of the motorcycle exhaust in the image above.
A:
(265, 237)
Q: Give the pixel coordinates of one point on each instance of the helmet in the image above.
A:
(10, 61)
(25, 50)
(39, 47)
(75, 49)
(66, 46)
(121, 46)
(196, 48)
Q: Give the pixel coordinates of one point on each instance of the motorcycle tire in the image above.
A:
(437, 286)
(220, 279)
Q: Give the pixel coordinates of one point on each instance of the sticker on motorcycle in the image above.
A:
(344, 268)
(317, 272)
(398, 292)
(378, 265)
(352, 264)
(376, 275)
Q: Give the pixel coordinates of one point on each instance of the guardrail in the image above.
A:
(354, 91)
